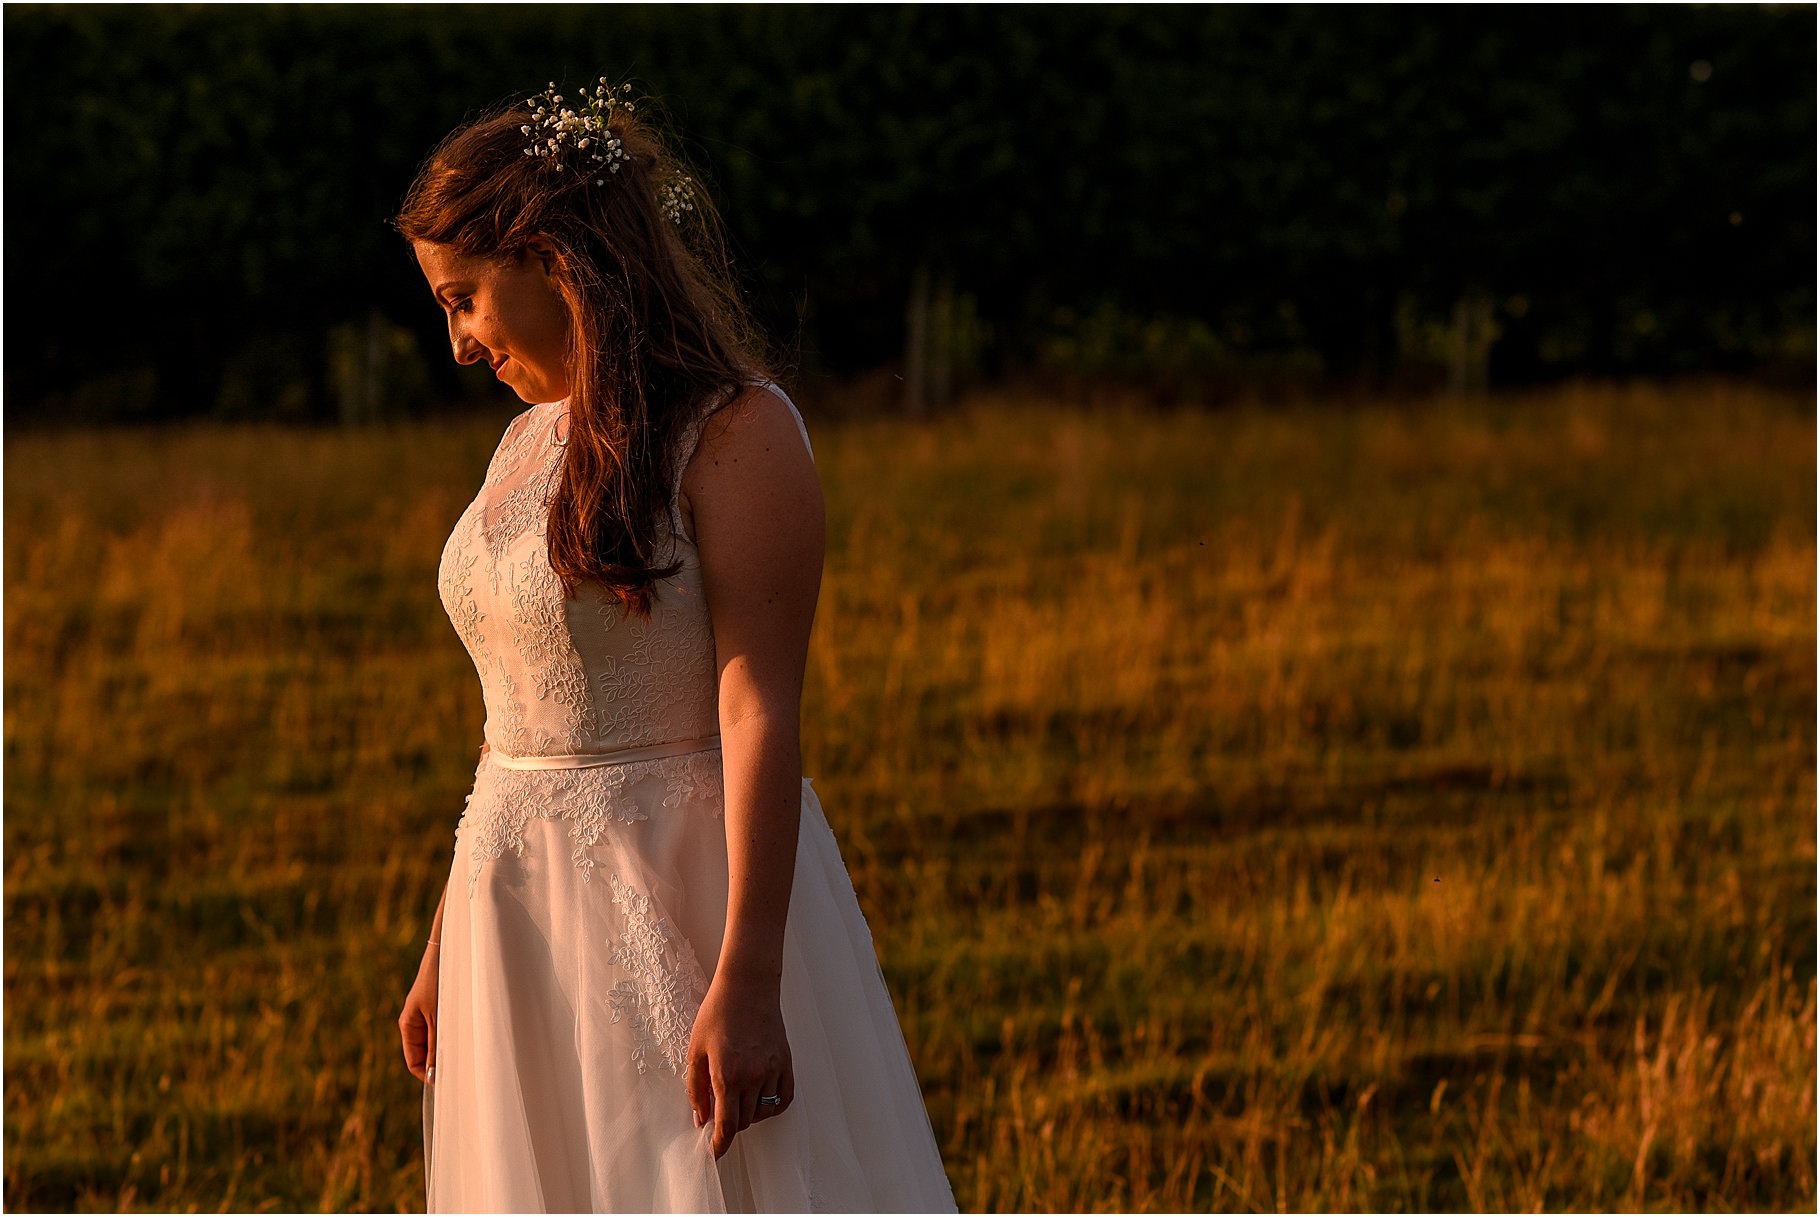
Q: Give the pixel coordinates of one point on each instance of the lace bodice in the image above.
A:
(565, 676)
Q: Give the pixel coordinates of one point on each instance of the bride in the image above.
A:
(648, 985)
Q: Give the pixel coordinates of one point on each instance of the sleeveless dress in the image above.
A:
(587, 902)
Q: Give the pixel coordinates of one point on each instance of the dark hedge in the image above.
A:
(196, 197)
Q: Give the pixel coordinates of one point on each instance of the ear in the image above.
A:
(540, 249)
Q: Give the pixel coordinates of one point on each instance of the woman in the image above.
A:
(648, 985)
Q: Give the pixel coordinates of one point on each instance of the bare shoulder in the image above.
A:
(752, 425)
(751, 457)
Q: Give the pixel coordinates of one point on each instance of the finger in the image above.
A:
(701, 1088)
(748, 1106)
(726, 1116)
(766, 1110)
(784, 1089)
(407, 1035)
(429, 1063)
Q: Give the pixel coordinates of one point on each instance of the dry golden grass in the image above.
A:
(1381, 807)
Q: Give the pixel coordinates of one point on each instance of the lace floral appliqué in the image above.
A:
(540, 633)
(455, 582)
(667, 671)
(667, 983)
(505, 800)
(519, 436)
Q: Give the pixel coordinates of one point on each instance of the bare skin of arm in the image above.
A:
(754, 506)
(417, 1023)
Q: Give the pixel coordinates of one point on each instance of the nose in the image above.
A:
(462, 343)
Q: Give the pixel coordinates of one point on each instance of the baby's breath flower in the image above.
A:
(556, 130)
(676, 197)
(557, 127)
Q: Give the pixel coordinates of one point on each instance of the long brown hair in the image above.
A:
(656, 332)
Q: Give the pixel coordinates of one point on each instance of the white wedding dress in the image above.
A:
(587, 902)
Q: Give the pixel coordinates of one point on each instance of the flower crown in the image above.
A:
(557, 133)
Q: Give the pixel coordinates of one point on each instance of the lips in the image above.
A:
(497, 366)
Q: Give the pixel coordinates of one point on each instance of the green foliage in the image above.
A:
(203, 177)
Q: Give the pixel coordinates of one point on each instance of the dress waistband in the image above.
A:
(619, 756)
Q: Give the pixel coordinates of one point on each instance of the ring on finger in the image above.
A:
(771, 1100)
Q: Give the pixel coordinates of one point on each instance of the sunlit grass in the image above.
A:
(1359, 808)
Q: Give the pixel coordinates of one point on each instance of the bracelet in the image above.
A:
(432, 943)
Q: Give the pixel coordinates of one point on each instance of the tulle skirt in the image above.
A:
(577, 942)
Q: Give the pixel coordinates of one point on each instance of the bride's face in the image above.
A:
(508, 315)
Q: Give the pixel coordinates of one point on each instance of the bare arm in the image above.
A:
(417, 1022)
(756, 507)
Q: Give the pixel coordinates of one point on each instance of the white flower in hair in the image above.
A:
(677, 196)
(556, 131)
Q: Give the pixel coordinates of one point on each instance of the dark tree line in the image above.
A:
(196, 197)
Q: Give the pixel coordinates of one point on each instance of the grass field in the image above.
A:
(1373, 807)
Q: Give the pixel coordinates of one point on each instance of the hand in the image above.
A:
(737, 1052)
(417, 1024)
